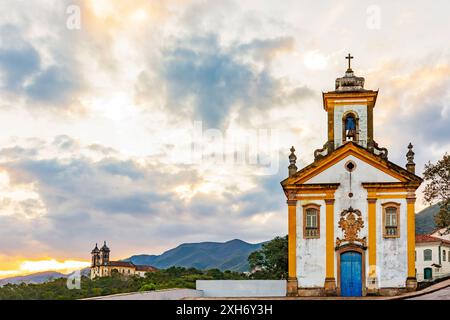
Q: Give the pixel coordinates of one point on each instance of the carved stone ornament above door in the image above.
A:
(351, 223)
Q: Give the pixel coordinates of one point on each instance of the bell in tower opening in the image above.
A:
(350, 127)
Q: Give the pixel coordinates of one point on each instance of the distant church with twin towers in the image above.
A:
(101, 266)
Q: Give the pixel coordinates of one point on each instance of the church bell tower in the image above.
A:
(104, 254)
(350, 114)
(95, 253)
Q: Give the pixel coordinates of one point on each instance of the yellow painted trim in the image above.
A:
(386, 189)
(292, 239)
(391, 196)
(330, 99)
(311, 198)
(329, 241)
(372, 220)
(411, 239)
(348, 150)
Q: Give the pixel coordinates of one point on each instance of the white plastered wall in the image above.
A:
(311, 252)
(421, 264)
(392, 253)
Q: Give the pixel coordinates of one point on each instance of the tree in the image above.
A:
(271, 261)
(438, 189)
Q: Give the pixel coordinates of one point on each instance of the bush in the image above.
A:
(148, 287)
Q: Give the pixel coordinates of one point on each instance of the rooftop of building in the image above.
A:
(425, 238)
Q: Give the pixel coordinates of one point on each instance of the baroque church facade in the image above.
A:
(101, 266)
(351, 217)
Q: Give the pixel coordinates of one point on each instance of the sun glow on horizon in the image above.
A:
(34, 266)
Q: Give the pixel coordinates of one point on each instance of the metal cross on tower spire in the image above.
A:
(349, 57)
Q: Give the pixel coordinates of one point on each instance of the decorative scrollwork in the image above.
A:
(351, 223)
(382, 152)
(320, 153)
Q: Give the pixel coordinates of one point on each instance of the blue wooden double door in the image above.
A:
(351, 274)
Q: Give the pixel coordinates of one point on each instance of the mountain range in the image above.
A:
(230, 255)
(39, 277)
(425, 219)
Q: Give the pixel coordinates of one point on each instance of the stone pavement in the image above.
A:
(168, 294)
(443, 294)
(438, 291)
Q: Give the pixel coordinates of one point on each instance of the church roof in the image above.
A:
(95, 250)
(145, 268)
(105, 247)
(425, 238)
(121, 264)
(127, 264)
(351, 148)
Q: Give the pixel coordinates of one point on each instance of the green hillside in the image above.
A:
(425, 219)
(231, 255)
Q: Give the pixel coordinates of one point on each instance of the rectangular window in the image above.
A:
(311, 221)
(391, 212)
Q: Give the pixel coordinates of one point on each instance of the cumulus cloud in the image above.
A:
(209, 82)
(38, 69)
(111, 198)
(18, 59)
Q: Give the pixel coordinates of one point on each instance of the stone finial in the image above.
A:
(292, 160)
(410, 165)
(349, 82)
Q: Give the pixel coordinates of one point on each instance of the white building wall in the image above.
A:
(312, 272)
(242, 288)
(310, 252)
(421, 264)
(392, 253)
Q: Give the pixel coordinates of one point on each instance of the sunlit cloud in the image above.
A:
(21, 200)
(52, 264)
(315, 60)
(30, 267)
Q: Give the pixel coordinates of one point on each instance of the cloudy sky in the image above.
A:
(119, 117)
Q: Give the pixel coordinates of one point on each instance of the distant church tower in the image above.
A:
(104, 254)
(95, 253)
(351, 212)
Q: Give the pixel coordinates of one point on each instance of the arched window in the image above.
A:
(391, 219)
(427, 255)
(311, 221)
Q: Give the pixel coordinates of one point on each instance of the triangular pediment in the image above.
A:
(388, 171)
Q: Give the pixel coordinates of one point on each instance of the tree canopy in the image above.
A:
(437, 189)
(271, 261)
